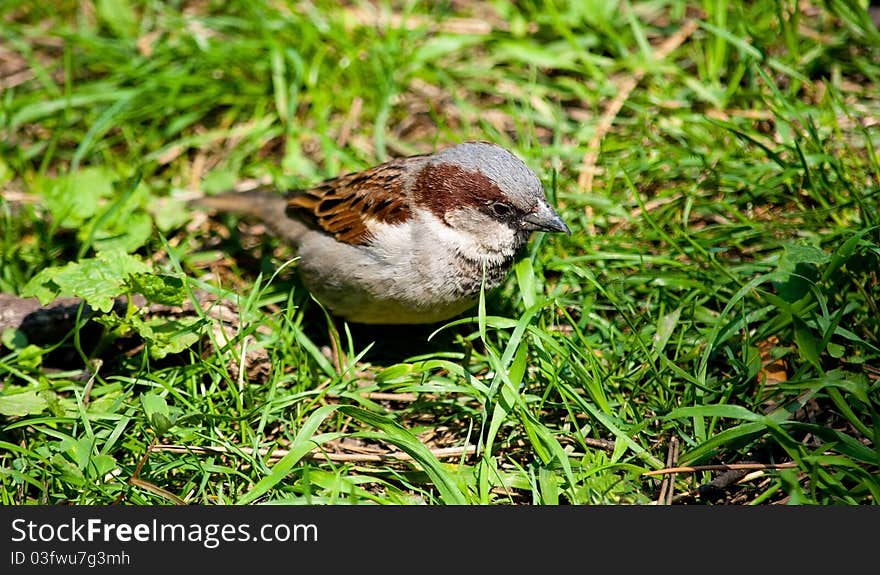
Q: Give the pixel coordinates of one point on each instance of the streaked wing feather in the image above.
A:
(343, 206)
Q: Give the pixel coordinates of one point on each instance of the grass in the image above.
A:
(716, 304)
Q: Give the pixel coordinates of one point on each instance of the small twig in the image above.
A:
(384, 396)
(16, 79)
(133, 480)
(439, 453)
(155, 489)
(16, 197)
(338, 359)
(196, 171)
(143, 460)
(605, 444)
(721, 467)
(667, 485)
(377, 396)
(469, 26)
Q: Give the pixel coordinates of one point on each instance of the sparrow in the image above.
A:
(409, 241)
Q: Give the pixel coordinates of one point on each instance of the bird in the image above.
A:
(411, 240)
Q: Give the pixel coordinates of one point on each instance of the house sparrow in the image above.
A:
(407, 241)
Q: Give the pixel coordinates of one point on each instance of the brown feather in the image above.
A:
(343, 206)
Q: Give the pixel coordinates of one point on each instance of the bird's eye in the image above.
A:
(500, 210)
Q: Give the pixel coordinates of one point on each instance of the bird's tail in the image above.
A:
(264, 205)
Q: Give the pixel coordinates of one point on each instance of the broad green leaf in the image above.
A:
(13, 338)
(42, 285)
(165, 336)
(158, 288)
(168, 213)
(69, 471)
(123, 263)
(21, 404)
(835, 350)
(795, 254)
(74, 198)
(127, 233)
(80, 450)
(157, 412)
(97, 280)
(31, 356)
(154, 404)
(101, 465)
(797, 270)
(91, 280)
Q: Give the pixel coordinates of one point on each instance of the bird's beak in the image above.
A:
(544, 218)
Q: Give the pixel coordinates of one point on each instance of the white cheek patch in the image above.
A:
(425, 239)
(446, 235)
(477, 235)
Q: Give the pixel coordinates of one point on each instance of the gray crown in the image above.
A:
(508, 172)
